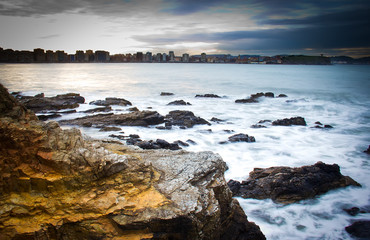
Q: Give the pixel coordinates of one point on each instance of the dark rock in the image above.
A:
(67, 111)
(216, 120)
(158, 144)
(264, 121)
(179, 102)
(181, 143)
(269, 94)
(111, 101)
(352, 211)
(133, 136)
(40, 95)
(318, 123)
(121, 137)
(207, 96)
(234, 186)
(134, 109)
(164, 127)
(290, 121)
(228, 131)
(99, 109)
(109, 129)
(258, 126)
(241, 137)
(64, 101)
(282, 95)
(184, 119)
(143, 118)
(328, 126)
(191, 142)
(257, 95)
(49, 116)
(86, 124)
(248, 100)
(367, 150)
(360, 229)
(288, 185)
(166, 94)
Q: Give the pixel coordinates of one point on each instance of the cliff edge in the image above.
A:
(55, 184)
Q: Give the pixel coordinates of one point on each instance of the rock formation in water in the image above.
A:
(57, 185)
(288, 185)
(111, 101)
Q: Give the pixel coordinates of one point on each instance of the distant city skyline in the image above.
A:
(254, 27)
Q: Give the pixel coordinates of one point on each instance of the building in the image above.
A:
(164, 57)
(49, 56)
(89, 56)
(203, 57)
(59, 56)
(172, 56)
(148, 57)
(80, 56)
(101, 56)
(185, 57)
(139, 57)
(158, 57)
(39, 55)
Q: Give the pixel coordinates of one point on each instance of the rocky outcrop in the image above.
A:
(208, 95)
(111, 101)
(367, 150)
(179, 102)
(290, 121)
(254, 97)
(138, 118)
(184, 119)
(40, 103)
(57, 185)
(288, 185)
(167, 94)
(359, 229)
(99, 109)
(240, 137)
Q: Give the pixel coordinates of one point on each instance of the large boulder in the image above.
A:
(290, 121)
(111, 101)
(57, 185)
(138, 118)
(359, 229)
(185, 119)
(40, 103)
(288, 185)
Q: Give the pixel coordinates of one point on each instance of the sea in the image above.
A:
(336, 95)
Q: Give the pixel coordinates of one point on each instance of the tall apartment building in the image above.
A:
(172, 56)
(203, 57)
(139, 57)
(89, 56)
(101, 56)
(80, 56)
(185, 57)
(39, 55)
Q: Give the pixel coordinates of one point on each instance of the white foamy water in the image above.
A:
(335, 95)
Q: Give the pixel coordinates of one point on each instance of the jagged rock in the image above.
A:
(241, 137)
(248, 100)
(185, 119)
(57, 185)
(254, 97)
(179, 102)
(111, 101)
(43, 117)
(353, 211)
(359, 229)
(207, 96)
(288, 185)
(99, 109)
(158, 144)
(143, 118)
(290, 121)
(40, 103)
(217, 120)
(166, 94)
(282, 95)
(134, 109)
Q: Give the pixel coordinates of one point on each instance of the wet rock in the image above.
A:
(288, 185)
(258, 126)
(254, 97)
(352, 211)
(228, 131)
(248, 100)
(290, 121)
(185, 119)
(164, 127)
(217, 120)
(43, 117)
(181, 143)
(143, 118)
(282, 95)
(241, 137)
(66, 112)
(178, 103)
(41, 103)
(110, 129)
(57, 185)
(158, 144)
(360, 229)
(134, 109)
(367, 150)
(207, 96)
(191, 142)
(166, 94)
(99, 109)
(111, 101)
(269, 94)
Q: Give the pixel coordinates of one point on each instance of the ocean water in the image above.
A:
(338, 95)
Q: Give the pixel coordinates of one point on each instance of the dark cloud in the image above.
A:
(181, 7)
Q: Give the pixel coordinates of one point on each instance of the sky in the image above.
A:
(263, 27)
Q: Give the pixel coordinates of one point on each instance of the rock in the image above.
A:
(185, 119)
(248, 100)
(241, 137)
(57, 185)
(290, 121)
(166, 94)
(258, 126)
(109, 129)
(99, 109)
(179, 102)
(328, 126)
(40, 103)
(143, 118)
(191, 142)
(111, 101)
(360, 229)
(181, 143)
(352, 211)
(289, 185)
(217, 120)
(269, 94)
(134, 109)
(158, 144)
(254, 97)
(49, 116)
(66, 112)
(207, 96)
(282, 95)
(367, 150)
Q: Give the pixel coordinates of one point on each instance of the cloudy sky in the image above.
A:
(265, 27)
